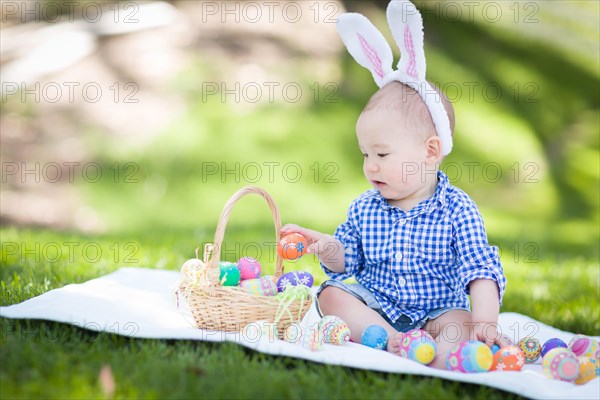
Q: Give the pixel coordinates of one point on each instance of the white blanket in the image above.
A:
(140, 303)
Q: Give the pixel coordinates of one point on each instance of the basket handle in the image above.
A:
(212, 251)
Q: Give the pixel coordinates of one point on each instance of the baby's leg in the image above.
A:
(335, 301)
(448, 330)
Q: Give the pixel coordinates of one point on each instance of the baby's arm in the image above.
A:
(485, 305)
(328, 249)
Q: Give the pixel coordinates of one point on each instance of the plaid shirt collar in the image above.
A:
(427, 205)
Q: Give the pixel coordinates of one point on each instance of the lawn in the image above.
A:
(534, 175)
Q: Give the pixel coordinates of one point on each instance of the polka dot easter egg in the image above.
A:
(334, 330)
(374, 336)
(294, 278)
(551, 344)
(418, 345)
(249, 268)
(584, 346)
(469, 356)
(531, 348)
(561, 364)
(508, 358)
(292, 246)
(261, 286)
(230, 274)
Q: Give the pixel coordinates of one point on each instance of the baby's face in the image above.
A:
(395, 157)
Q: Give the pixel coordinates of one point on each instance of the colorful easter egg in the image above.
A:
(531, 348)
(508, 358)
(587, 370)
(469, 356)
(230, 274)
(374, 336)
(258, 330)
(418, 345)
(249, 268)
(260, 286)
(561, 364)
(294, 278)
(292, 246)
(584, 346)
(334, 330)
(552, 344)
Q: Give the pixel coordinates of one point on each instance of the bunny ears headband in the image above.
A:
(370, 49)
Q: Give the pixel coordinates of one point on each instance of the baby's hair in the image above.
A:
(401, 98)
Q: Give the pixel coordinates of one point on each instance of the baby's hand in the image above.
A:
(312, 237)
(487, 332)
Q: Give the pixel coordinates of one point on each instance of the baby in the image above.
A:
(415, 244)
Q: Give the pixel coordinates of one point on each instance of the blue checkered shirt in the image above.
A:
(420, 260)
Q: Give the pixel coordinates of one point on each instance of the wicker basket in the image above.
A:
(230, 308)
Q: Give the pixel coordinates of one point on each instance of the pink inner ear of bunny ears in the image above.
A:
(411, 68)
(371, 55)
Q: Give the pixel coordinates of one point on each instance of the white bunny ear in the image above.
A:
(406, 24)
(366, 45)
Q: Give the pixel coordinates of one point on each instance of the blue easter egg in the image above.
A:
(374, 336)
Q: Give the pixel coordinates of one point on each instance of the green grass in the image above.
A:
(42, 359)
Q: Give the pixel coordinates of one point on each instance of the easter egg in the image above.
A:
(584, 346)
(294, 278)
(196, 271)
(230, 274)
(292, 246)
(374, 336)
(495, 348)
(334, 330)
(551, 344)
(260, 286)
(587, 370)
(258, 330)
(249, 268)
(531, 348)
(508, 358)
(561, 364)
(469, 356)
(418, 345)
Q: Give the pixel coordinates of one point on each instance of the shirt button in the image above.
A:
(402, 221)
(402, 281)
(398, 256)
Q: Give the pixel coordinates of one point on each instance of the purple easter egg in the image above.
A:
(294, 278)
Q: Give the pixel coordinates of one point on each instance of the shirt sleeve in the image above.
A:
(476, 258)
(348, 234)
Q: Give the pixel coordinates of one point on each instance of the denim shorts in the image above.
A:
(402, 324)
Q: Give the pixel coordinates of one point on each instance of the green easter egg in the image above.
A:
(230, 273)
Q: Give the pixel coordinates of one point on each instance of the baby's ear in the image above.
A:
(366, 45)
(433, 147)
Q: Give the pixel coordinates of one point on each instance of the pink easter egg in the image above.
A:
(584, 347)
(249, 268)
(561, 364)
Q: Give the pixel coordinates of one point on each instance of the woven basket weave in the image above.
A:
(230, 308)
